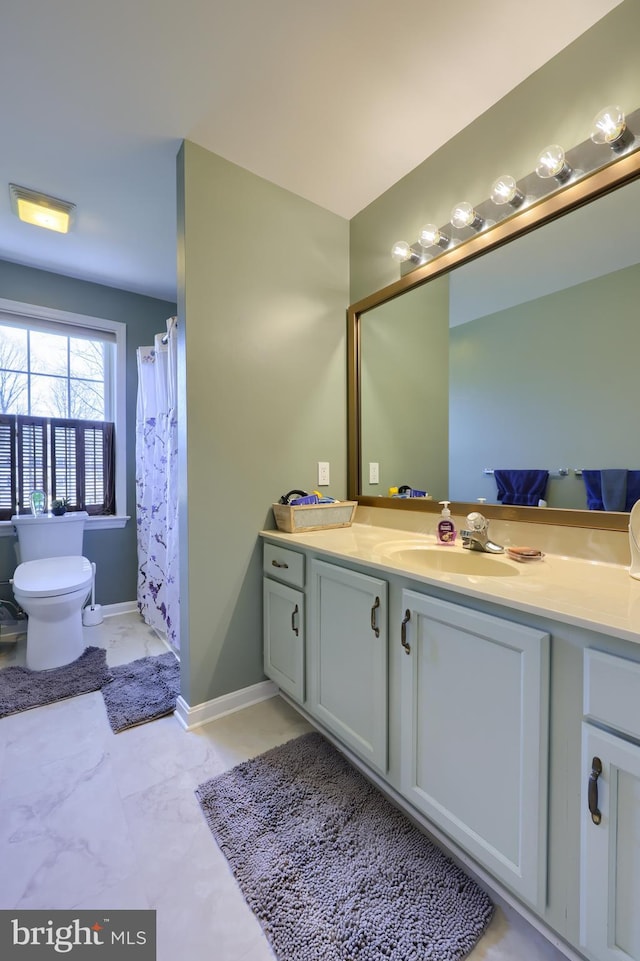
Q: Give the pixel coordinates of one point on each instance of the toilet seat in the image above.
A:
(53, 576)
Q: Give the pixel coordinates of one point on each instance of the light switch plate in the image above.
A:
(323, 473)
(374, 473)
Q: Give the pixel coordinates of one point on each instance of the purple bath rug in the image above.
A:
(22, 689)
(142, 691)
(331, 869)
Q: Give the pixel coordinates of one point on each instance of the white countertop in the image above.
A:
(591, 594)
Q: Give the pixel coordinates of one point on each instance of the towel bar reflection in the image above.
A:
(561, 472)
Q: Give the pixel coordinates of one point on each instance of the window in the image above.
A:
(61, 409)
(53, 374)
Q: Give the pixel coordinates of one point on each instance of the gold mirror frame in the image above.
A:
(616, 174)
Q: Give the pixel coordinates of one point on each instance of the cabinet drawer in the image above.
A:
(612, 692)
(286, 565)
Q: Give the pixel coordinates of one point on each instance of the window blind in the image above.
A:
(71, 459)
(7, 464)
(33, 452)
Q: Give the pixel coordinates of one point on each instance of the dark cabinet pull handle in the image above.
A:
(293, 624)
(403, 632)
(275, 563)
(374, 608)
(596, 771)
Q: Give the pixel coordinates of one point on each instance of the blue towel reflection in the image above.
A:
(613, 489)
(523, 488)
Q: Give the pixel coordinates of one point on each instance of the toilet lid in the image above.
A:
(52, 576)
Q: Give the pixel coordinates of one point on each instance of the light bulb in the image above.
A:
(610, 126)
(430, 236)
(505, 191)
(401, 252)
(463, 215)
(551, 163)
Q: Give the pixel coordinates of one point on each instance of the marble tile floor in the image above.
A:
(89, 819)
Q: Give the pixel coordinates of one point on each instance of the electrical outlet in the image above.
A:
(323, 473)
(374, 473)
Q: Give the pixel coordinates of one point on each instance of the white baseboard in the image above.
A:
(124, 607)
(200, 714)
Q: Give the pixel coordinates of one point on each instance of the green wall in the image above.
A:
(263, 287)
(114, 551)
(554, 105)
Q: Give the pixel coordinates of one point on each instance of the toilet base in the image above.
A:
(54, 629)
(46, 648)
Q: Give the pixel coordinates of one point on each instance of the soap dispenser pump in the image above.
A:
(446, 528)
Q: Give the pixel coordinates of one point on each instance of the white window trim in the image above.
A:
(118, 386)
(95, 522)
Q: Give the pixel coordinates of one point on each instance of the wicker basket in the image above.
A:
(295, 519)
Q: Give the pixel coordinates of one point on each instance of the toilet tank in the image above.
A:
(48, 536)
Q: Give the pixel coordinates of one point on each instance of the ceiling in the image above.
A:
(317, 97)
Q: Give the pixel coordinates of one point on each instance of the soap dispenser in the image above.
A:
(446, 528)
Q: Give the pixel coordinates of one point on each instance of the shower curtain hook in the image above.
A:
(171, 323)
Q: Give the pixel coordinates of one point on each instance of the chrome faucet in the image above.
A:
(476, 535)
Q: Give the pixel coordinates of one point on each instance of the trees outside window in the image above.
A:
(52, 375)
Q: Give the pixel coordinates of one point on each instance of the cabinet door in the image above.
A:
(610, 855)
(474, 735)
(347, 671)
(283, 612)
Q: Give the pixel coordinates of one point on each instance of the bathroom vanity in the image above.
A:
(497, 702)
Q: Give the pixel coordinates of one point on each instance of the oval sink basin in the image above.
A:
(451, 561)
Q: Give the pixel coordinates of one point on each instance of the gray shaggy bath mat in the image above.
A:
(331, 869)
(22, 689)
(142, 690)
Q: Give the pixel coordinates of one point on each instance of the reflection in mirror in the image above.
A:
(404, 385)
(525, 357)
(544, 349)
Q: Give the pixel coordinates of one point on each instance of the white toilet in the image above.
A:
(51, 583)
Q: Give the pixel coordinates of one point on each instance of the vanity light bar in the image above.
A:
(610, 128)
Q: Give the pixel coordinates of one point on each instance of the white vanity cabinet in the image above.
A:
(284, 619)
(347, 658)
(474, 741)
(504, 729)
(610, 823)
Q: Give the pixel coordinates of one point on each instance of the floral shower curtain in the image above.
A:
(157, 485)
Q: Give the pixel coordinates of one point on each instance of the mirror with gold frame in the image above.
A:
(366, 389)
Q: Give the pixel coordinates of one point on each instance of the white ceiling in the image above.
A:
(322, 98)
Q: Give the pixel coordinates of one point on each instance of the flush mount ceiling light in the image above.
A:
(610, 127)
(37, 208)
